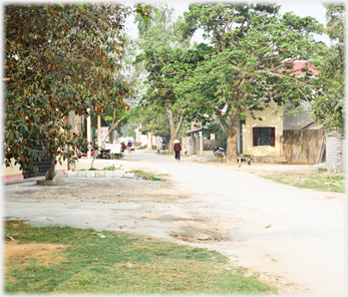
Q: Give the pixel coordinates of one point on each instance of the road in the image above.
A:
(281, 232)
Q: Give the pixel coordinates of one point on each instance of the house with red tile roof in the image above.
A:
(266, 138)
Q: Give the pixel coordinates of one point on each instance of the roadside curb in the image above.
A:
(100, 174)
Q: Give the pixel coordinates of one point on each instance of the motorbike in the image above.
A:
(103, 154)
(220, 150)
(93, 153)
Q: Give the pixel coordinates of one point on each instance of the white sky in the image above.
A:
(310, 8)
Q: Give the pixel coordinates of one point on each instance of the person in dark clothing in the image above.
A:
(123, 146)
(129, 146)
(177, 149)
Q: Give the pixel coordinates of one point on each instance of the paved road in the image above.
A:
(304, 238)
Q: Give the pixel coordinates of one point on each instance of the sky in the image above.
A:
(310, 8)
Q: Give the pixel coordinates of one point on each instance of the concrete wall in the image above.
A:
(344, 154)
(268, 120)
(335, 156)
(12, 173)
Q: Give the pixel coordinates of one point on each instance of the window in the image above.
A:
(264, 136)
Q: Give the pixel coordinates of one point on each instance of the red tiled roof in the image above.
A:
(299, 65)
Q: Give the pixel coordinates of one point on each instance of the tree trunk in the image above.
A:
(231, 127)
(52, 170)
(111, 134)
(172, 129)
(231, 151)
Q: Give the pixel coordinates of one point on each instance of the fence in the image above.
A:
(304, 146)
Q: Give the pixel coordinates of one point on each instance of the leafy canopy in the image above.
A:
(251, 61)
(329, 109)
(59, 58)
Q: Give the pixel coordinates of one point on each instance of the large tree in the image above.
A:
(329, 109)
(252, 64)
(158, 41)
(58, 58)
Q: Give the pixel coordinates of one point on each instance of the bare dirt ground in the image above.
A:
(41, 251)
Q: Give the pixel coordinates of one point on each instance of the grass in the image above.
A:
(166, 153)
(120, 264)
(320, 180)
(142, 147)
(145, 175)
(113, 168)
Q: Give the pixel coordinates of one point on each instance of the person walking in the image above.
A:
(177, 149)
(123, 146)
(129, 146)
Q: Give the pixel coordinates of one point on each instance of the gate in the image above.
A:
(43, 166)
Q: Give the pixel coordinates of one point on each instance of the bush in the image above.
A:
(220, 134)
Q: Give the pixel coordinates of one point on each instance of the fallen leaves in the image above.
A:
(128, 265)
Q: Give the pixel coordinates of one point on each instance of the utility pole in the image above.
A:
(88, 134)
(99, 124)
(200, 143)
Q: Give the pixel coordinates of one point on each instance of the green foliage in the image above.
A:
(153, 119)
(329, 108)
(335, 17)
(250, 64)
(159, 40)
(146, 12)
(220, 133)
(59, 58)
(157, 32)
(115, 119)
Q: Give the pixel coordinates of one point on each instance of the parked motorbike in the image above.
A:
(94, 153)
(103, 154)
(220, 150)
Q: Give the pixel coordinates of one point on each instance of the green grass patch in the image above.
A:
(320, 180)
(120, 264)
(166, 153)
(142, 147)
(145, 175)
(113, 168)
